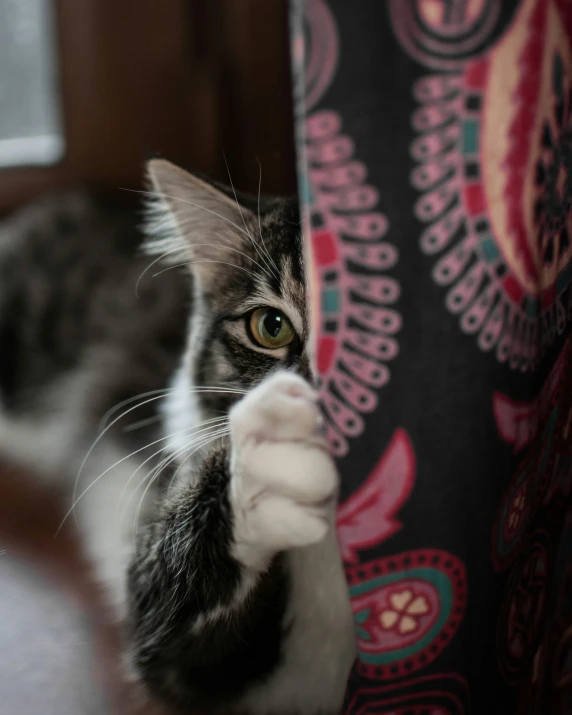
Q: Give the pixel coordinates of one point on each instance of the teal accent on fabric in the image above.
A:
(470, 137)
(330, 301)
(304, 189)
(490, 250)
(443, 586)
(362, 634)
(362, 616)
(531, 306)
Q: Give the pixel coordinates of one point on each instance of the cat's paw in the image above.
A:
(283, 481)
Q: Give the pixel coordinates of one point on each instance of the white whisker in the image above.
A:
(191, 203)
(94, 445)
(277, 274)
(147, 268)
(142, 423)
(236, 199)
(109, 469)
(119, 405)
(123, 414)
(190, 263)
(157, 473)
(242, 216)
(222, 432)
(232, 389)
(214, 423)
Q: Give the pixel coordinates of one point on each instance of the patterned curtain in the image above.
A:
(435, 149)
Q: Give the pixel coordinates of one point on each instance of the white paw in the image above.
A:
(284, 482)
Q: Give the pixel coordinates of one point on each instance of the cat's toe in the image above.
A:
(283, 524)
(284, 481)
(297, 471)
(284, 407)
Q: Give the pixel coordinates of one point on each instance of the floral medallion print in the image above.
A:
(494, 172)
(406, 609)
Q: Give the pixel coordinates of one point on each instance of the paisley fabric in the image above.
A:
(435, 154)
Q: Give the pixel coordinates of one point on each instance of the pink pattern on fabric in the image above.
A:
(367, 517)
(441, 34)
(321, 50)
(439, 694)
(352, 355)
(407, 608)
(358, 325)
(494, 169)
(518, 422)
(400, 615)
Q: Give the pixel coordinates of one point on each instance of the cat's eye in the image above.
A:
(270, 328)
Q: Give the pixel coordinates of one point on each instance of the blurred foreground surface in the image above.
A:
(59, 654)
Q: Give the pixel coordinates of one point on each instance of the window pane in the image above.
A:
(31, 129)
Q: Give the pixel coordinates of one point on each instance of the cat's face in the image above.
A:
(247, 262)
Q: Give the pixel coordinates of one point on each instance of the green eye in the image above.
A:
(270, 328)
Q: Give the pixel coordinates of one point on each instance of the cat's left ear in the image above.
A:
(190, 220)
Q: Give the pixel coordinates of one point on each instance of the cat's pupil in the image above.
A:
(273, 323)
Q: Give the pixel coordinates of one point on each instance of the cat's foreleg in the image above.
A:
(208, 591)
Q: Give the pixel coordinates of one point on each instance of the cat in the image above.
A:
(164, 384)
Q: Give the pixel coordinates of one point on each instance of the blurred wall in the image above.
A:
(189, 79)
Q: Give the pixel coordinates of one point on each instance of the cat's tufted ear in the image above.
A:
(191, 221)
